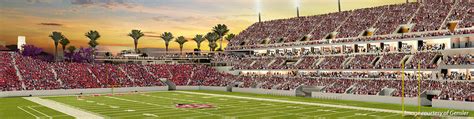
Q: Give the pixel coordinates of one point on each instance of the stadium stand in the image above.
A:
(338, 71)
(429, 16)
(64, 75)
(9, 81)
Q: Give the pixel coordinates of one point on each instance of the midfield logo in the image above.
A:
(197, 106)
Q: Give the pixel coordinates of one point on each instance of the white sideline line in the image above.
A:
(76, 113)
(303, 103)
(40, 112)
(36, 117)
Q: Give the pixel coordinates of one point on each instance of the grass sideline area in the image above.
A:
(19, 108)
(163, 105)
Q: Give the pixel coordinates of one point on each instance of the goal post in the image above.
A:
(112, 87)
(419, 89)
(403, 88)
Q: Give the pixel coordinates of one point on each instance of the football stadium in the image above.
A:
(237, 59)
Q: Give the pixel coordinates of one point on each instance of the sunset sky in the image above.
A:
(114, 19)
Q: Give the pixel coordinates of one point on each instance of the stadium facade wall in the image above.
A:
(265, 91)
(368, 98)
(213, 88)
(78, 91)
(453, 104)
(187, 87)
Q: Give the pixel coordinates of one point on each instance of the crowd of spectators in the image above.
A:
(332, 62)
(359, 21)
(380, 38)
(261, 63)
(431, 15)
(205, 75)
(463, 11)
(393, 16)
(460, 60)
(362, 62)
(140, 76)
(243, 63)
(450, 90)
(65, 75)
(36, 74)
(41, 75)
(278, 63)
(425, 59)
(391, 61)
(8, 79)
(110, 76)
(75, 75)
(427, 19)
(328, 24)
(307, 62)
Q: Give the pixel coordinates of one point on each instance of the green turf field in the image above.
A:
(19, 108)
(226, 105)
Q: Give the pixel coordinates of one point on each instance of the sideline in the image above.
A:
(36, 117)
(76, 113)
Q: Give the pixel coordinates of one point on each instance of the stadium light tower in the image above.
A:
(297, 2)
(339, 5)
(259, 11)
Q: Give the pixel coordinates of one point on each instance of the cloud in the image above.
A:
(39, 1)
(149, 32)
(152, 36)
(82, 2)
(50, 24)
(162, 18)
(104, 3)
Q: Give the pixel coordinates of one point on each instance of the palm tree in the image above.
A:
(56, 36)
(92, 35)
(93, 44)
(221, 30)
(212, 37)
(71, 49)
(136, 35)
(212, 46)
(167, 37)
(181, 40)
(199, 39)
(64, 42)
(229, 37)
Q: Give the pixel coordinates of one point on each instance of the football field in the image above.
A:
(213, 104)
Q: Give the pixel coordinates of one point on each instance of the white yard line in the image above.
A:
(128, 100)
(366, 114)
(40, 112)
(333, 113)
(390, 115)
(36, 117)
(76, 113)
(303, 103)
